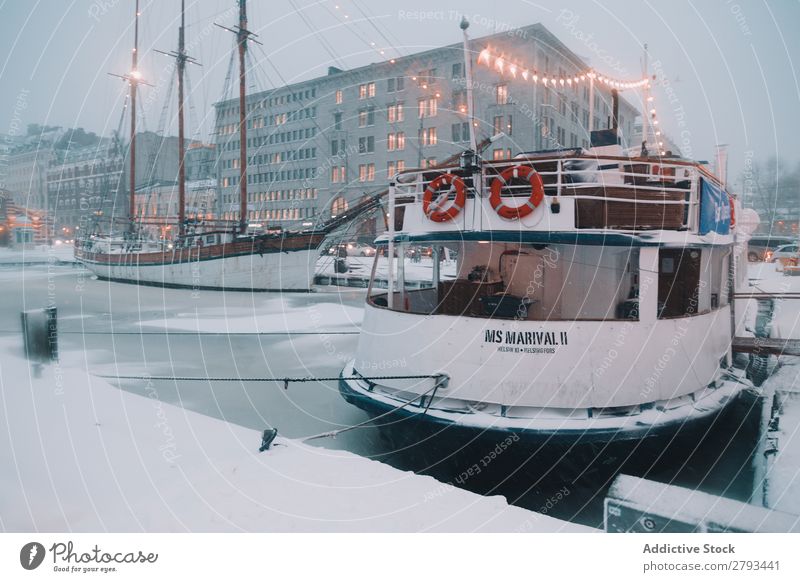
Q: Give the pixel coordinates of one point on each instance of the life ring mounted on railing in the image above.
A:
(433, 204)
(501, 181)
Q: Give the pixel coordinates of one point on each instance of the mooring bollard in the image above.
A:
(40, 334)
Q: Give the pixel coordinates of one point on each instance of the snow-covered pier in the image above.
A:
(82, 455)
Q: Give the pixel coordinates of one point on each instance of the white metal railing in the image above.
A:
(582, 173)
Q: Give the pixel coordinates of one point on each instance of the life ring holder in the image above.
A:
(431, 206)
(501, 181)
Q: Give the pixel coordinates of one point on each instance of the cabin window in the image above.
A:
(510, 280)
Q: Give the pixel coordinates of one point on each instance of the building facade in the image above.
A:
(90, 185)
(27, 175)
(317, 147)
(85, 185)
(157, 206)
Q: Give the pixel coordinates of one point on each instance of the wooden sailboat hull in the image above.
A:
(259, 264)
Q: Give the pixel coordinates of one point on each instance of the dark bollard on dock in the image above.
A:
(40, 334)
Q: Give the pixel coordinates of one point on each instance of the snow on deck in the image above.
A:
(81, 455)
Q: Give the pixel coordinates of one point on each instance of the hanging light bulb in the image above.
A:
(484, 56)
(512, 68)
(499, 64)
(525, 74)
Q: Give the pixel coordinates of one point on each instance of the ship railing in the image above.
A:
(609, 185)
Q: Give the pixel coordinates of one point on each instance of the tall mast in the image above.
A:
(181, 63)
(242, 35)
(134, 81)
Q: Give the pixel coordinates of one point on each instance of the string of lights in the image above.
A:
(505, 65)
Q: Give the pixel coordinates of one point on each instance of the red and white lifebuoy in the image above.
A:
(433, 208)
(522, 173)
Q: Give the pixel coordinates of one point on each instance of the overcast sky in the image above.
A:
(729, 67)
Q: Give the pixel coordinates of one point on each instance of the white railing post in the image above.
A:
(390, 278)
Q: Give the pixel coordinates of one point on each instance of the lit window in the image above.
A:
(501, 94)
(394, 113)
(427, 107)
(338, 96)
(338, 206)
(366, 90)
(428, 136)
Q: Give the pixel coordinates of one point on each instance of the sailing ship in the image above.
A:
(570, 296)
(215, 255)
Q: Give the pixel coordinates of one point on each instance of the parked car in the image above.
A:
(352, 249)
(759, 246)
(786, 255)
(357, 249)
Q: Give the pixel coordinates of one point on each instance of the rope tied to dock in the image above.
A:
(269, 435)
(285, 381)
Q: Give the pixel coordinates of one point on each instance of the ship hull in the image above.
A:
(283, 265)
(443, 436)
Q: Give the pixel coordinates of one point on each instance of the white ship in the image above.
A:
(562, 296)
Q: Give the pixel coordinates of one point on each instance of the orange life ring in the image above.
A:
(733, 212)
(517, 212)
(433, 210)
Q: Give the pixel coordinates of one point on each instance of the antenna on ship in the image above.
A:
(469, 161)
(242, 36)
(645, 104)
(181, 58)
(473, 143)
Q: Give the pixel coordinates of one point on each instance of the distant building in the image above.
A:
(157, 206)
(83, 185)
(27, 175)
(20, 225)
(200, 161)
(319, 146)
(90, 185)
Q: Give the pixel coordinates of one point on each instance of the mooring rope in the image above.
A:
(441, 380)
(264, 379)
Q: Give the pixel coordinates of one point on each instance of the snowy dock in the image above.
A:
(634, 504)
(781, 488)
(82, 455)
(762, 346)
